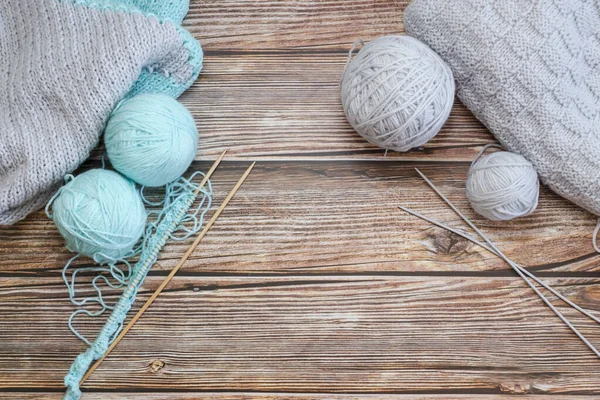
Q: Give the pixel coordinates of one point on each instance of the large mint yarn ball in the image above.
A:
(100, 214)
(151, 138)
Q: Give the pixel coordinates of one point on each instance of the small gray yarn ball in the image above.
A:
(502, 186)
(397, 93)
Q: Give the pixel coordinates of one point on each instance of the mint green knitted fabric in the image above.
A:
(71, 63)
(172, 10)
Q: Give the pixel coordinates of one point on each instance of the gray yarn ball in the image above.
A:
(397, 93)
(502, 186)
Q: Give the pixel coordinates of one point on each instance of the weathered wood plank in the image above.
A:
(269, 92)
(335, 334)
(287, 106)
(307, 24)
(272, 396)
(324, 217)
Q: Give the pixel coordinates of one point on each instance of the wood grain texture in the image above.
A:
(319, 25)
(313, 284)
(451, 335)
(342, 217)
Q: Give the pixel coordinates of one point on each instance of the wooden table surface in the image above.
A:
(312, 283)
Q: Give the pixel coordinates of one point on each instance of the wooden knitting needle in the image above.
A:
(210, 172)
(172, 274)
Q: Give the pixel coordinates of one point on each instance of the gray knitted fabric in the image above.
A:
(64, 66)
(530, 71)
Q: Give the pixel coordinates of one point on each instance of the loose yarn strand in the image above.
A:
(511, 263)
(118, 275)
(483, 150)
(356, 43)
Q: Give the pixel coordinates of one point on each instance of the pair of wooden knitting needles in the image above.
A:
(187, 254)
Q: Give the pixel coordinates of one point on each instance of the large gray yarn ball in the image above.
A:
(397, 93)
(503, 186)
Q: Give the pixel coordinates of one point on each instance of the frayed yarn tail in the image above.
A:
(169, 221)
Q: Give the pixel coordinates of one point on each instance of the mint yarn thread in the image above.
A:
(100, 214)
(175, 220)
(151, 138)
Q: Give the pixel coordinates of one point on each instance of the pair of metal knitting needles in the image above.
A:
(187, 254)
(522, 272)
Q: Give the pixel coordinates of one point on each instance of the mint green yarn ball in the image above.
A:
(100, 214)
(151, 138)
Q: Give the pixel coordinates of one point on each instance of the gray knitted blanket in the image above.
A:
(65, 64)
(530, 71)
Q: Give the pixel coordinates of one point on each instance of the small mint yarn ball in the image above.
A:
(100, 214)
(151, 138)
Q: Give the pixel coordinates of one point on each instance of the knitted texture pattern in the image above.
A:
(530, 71)
(65, 66)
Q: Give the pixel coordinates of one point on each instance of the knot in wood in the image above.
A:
(157, 365)
(449, 243)
(515, 388)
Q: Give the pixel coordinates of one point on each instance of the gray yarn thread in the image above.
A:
(502, 186)
(396, 93)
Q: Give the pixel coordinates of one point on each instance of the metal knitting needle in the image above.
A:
(511, 263)
(166, 281)
(488, 248)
